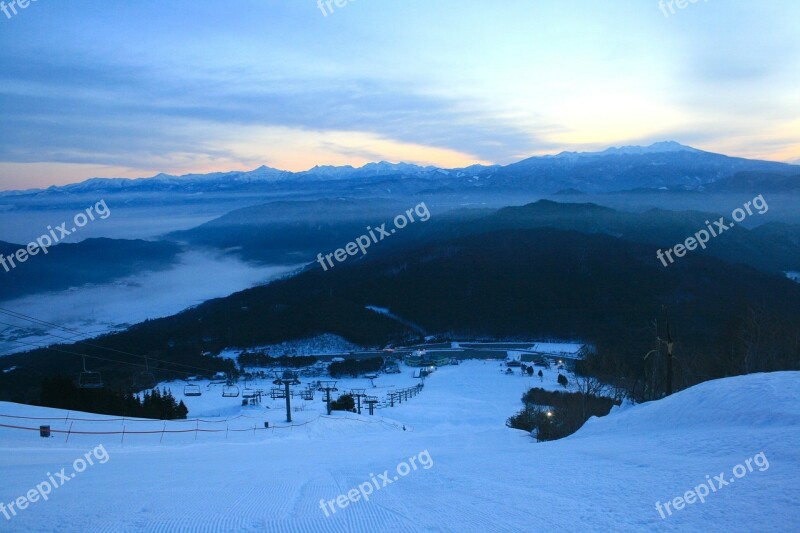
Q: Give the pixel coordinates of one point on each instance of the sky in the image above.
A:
(116, 88)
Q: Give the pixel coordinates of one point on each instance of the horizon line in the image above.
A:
(401, 162)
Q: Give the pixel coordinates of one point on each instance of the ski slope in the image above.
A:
(483, 477)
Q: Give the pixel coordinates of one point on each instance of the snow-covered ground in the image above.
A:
(386, 312)
(563, 349)
(480, 476)
(558, 348)
(325, 344)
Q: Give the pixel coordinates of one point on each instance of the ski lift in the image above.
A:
(287, 376)
(230, 391)
(89, 380)
(144, 380)
(277, 393)
(192, 390)
(248, 393)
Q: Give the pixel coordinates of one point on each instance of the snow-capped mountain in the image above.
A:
(261, 174)
(382, 168)
(666, 164)
(655, 148)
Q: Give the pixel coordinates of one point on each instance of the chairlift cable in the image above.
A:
(22, 316)
(90, 356)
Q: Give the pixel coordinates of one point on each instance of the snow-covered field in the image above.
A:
(481, 476)
(325, 344)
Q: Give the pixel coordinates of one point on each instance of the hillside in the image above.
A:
(621, 465)
(766, 182)
(522, 283)
(297, 231)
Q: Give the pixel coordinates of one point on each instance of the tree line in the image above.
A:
(62, 393)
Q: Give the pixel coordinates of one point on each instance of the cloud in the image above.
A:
(178, 86)
(53, 110)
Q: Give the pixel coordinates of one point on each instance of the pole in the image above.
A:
(288, 403)
(669, 354)
(669, 369)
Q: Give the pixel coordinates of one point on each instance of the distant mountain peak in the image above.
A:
(655, 148)
(661, 147)
(382, 166)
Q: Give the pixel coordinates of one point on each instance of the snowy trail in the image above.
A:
(484, 477)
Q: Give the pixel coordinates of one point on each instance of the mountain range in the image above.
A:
(661, 165)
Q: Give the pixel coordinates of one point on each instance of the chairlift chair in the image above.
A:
(192, 390)
(323, 386)
(89, 380)
(144, 380)
(248, 393)
(230, 391)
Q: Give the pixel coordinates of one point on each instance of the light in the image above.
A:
(549, 413)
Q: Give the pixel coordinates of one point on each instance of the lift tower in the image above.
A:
(287, 379)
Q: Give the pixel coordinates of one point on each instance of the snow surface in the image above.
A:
(655, 148)
(387, 312)
(325, 344)
(558, 348)
(485, 477)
